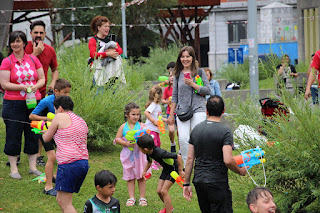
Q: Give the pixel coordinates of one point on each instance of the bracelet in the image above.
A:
(186, 184)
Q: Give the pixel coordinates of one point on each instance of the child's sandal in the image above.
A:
(143, 202)
(131, 202)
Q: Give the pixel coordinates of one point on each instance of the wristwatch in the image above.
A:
(186, 184)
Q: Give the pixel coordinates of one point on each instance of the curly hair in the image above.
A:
(155, 95)
(98, 21)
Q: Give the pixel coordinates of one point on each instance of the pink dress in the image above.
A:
(133, 162)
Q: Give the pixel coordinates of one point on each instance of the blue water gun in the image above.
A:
(250, 157)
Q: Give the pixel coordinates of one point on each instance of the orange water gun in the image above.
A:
(38, 126)
(177, 178)
(161, 126)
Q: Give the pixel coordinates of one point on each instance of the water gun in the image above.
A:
(250, 157)
(41, 178)
(198, 81)
(177, 178)
(38, 126)
(161, 125)
(163, 78)
(133, 135)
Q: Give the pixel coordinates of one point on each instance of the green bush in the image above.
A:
(292, 165)
(268, 67)
(103, 111)
(156, 64)
(239, 75)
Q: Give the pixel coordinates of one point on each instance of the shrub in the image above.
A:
(103, 111)
(292, 166)
(155, 65)
(240, 75)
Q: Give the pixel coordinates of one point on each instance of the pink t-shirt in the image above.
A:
(72, 141)
(24, 73)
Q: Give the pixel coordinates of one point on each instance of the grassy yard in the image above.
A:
(27, 196)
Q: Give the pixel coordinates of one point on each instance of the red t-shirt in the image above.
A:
(316, 63)
(167, 93)
(48, 58)
(24, 73)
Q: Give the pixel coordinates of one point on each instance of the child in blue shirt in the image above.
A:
(61, 87)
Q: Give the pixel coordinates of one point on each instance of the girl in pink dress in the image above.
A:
(133, 162)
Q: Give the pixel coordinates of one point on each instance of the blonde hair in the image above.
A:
(155, 95)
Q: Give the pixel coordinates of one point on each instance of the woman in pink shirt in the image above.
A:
(20, 73)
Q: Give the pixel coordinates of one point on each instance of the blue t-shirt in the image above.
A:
(46, 103)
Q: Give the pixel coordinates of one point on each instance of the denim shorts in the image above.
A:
(16, 118)
(71, 176)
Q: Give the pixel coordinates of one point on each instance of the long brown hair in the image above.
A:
(194, 65)
(155, 95)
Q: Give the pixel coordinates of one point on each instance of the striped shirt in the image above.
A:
(72, 141)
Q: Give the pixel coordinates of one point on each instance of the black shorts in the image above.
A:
(48, 146)
(165, 175)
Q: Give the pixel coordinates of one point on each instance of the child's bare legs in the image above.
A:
(171, 136)
(49, 169)
(64, 200)
(163, 192)
(142, 187)
(131, 188)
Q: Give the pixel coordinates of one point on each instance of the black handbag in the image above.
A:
(184, 113)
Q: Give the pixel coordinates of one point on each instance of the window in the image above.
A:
(237, 30)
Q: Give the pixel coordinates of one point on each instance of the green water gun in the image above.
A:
(198, 81)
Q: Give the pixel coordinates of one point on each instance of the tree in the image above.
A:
(142, 20)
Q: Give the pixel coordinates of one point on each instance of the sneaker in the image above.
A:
(16, 176)
(40, 161)
(164, 210)
(51, 192)
(35, 173)
(154, 167)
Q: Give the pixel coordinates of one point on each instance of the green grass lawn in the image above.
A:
(27, 196)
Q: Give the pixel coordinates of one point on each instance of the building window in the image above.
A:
(237, 30)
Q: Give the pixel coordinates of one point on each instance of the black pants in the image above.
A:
(214, 197)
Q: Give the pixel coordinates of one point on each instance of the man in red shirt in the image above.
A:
(47, 56)
(315, 65)
(45, 53)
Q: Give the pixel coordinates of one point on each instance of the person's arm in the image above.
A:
(180, 166)
(7, 85)
(150, 118)
(217, 88)
(293, 71)
(230, 162)
(35, 117)
(54, 77)
(40, 81)
(187, 190)
(280, 69)
(119, 139)
(48, 135)
(147, 167)
(311, 79)
(174, 101)
(87, 207)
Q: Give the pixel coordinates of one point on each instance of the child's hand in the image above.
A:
(165, 120)
(129, 144)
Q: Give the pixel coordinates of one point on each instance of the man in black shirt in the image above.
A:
(210, 146)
